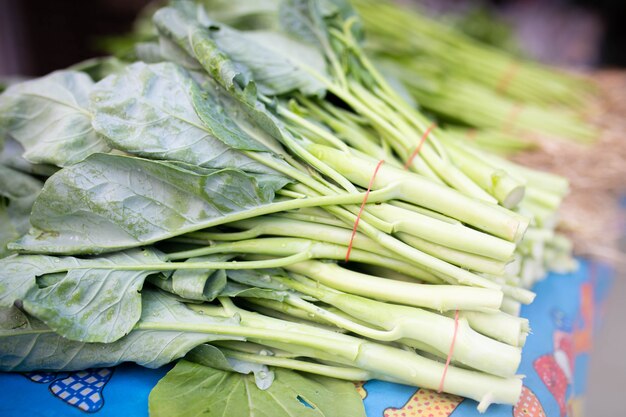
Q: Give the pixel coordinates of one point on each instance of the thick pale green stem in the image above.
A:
(459, 258)
(448, 234)
(397, 364)
(500, 326)
(441, 269)
(307, 230)
(444, 169)
(497, 182)
(436, 297)
(419, 191)
(278, 226)
(401, 322)
(313, 250)
(416, 370)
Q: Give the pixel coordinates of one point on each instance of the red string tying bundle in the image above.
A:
(507, 77)
(513, 116)
(358, 217)
(450, 352)
(418, 148)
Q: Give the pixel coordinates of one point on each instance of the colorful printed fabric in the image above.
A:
(563, 318)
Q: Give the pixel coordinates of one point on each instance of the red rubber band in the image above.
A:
(507, 77)
(445, 369)
(419, 146)
(358, 217)
(513, 116)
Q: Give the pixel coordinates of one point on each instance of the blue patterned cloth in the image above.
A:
(563, 317)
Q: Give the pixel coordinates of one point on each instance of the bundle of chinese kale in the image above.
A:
(201, 204)
(472, 84)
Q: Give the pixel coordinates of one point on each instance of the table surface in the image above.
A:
(563, 317)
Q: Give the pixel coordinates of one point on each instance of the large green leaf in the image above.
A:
(26, 344)
(191, 389)
(98, 304)
(277, 63)
(185, 31)
(18, 274)
(49, 116)
(150, 111)
(239, 91)
(110, 202)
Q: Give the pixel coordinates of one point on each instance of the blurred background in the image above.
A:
(37, 37)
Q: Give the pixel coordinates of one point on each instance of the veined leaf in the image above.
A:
(98, 304)
(49, 116)
(110, 202)
(191, 389)
(86, 299)
(186, 32)
(26, 344)
(277, 64)
(240, 92)
(18, 274)
(150, 111)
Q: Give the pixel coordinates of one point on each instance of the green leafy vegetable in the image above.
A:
(158, 111)
(26, 344)
(95, 304)
(277, 63)
(191, 389)
(110, 202)
(50, 117)
(242, 154)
